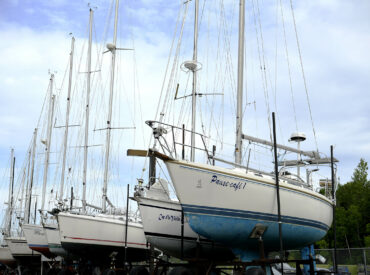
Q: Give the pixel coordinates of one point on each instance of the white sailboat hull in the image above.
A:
(225, 206)
(36, 239)
(19, 248)
(162, 228)
(6, 256)
(93, 237)
(53, 239)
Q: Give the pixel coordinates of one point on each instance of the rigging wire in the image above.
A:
(167, 68)
(170, 54)
(275, 75)
(303, 74)
(261, 53)
(175, 66)
(288, 64)
(220, 76)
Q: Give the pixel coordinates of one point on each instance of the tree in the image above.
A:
(360, 173)
(353, 211)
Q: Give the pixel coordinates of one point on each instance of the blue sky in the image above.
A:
(334, 39)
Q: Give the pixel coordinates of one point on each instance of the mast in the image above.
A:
(66, 124)
(11, 188)
(48, 141)
(239, 99)
(112, 49)
(30, 180)
(23, 181)
(194, 84)
(27, 184)
(87, 113)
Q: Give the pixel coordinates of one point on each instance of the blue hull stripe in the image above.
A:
(242, 214)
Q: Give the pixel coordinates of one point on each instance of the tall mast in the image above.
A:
(48, 141)
(25, 214)
(239, 99)
(11, 188)
(23, 182)
(194, 84)
(30, 180)
(109, 120)
(87, 113)
(67, 123)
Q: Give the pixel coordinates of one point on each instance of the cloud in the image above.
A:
(26, 58)
(334, 38)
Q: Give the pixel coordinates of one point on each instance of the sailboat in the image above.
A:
(238, 206)
(6, 256)
(20, 250)
(51, 228)
(36, 239)
(17, 245)
(53, 240)
(102, 235)
(34, 233)
(166, 229)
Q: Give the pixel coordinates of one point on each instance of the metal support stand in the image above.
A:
(334, 206)
(42, 267)
(312, 268)
(151, 259)
(72, 197)
(278, 192)
(183, 141)
(365, 264)
(214, 154)
(262, 252)
(182, 234)
(126, 225)
(152, 169)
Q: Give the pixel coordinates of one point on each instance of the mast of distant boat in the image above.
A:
(10, 198)
(66, 124)
(112, 49)
(87, 110)
(30, 180)
(47, 143)
(27, 183)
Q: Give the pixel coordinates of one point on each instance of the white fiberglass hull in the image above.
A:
(53, 239)
(36, 239)
(162, 227)
(19, 248)
(96, 237)
(225, 205)
(6, 256)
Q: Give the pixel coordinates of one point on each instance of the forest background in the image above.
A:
(352, 212)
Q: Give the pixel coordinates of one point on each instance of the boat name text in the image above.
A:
(236, 185)
(167, 217)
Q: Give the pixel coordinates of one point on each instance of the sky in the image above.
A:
(334, 37)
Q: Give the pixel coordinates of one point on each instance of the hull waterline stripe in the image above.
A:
(18, 241)
(177, 237)
(98, 240)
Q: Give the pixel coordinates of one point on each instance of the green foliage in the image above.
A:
(367, 237)
(322, 244)
(352, 211)
(367, 241)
